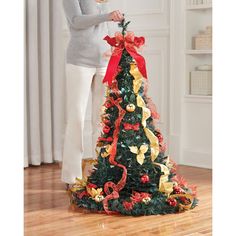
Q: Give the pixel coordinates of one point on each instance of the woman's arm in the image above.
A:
(79, 21)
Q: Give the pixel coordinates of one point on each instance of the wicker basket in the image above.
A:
(201, 83)
(202, 42)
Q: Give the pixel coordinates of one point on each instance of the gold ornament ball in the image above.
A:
(130, 107)
(146, 200)
(99, 198)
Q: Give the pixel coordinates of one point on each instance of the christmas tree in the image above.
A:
(131, 175)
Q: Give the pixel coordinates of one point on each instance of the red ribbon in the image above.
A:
(128, 126)
(110, 185)
(119, 43)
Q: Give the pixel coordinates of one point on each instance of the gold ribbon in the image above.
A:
(79, 184)
(164, 185)
(107, 151)
(146, 113)
(154, 143)
(140, 152)
(138, 78)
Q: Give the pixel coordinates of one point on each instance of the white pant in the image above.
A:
(79, 81)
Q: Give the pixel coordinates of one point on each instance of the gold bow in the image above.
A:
(94, 192)
(79, 184)
(107, 151)
(140, 152)
(138, 78)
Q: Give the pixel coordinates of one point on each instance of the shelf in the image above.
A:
(198, 52)
(199, 7)
(198, 98)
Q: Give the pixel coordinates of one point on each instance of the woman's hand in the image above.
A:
(116, 16)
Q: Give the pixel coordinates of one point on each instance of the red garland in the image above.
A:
(110, 185)
(128, 126)
(119, 43)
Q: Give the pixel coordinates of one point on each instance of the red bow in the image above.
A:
(101, 139)
(138, 197)
(119, 43)
(128, 126)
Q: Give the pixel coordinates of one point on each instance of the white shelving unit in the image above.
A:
(190, 115)
(199, 6)
(197, 17)
(198, 52)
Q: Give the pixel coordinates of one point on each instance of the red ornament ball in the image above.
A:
(160, 137)
(172, 202)
(106, 129)
(108, 104)
(177, 190)
(145, 179)
(106, 122)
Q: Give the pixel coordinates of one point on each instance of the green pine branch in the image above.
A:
(124, 25)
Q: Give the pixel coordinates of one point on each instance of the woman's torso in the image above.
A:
(86, 46)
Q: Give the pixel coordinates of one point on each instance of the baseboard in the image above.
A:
(196, 158)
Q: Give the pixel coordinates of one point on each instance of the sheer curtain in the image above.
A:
(44, 82)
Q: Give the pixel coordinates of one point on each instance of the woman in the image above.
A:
(85, 69)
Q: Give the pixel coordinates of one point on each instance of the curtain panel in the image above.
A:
(44, 82)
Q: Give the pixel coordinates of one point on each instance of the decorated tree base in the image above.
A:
(132, 175)
(141, 204)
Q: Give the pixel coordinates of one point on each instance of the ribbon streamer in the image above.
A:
(119, 43)
(154, 144)
(138, 78)
(164, 185)
(110, 185)
(146, 113)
